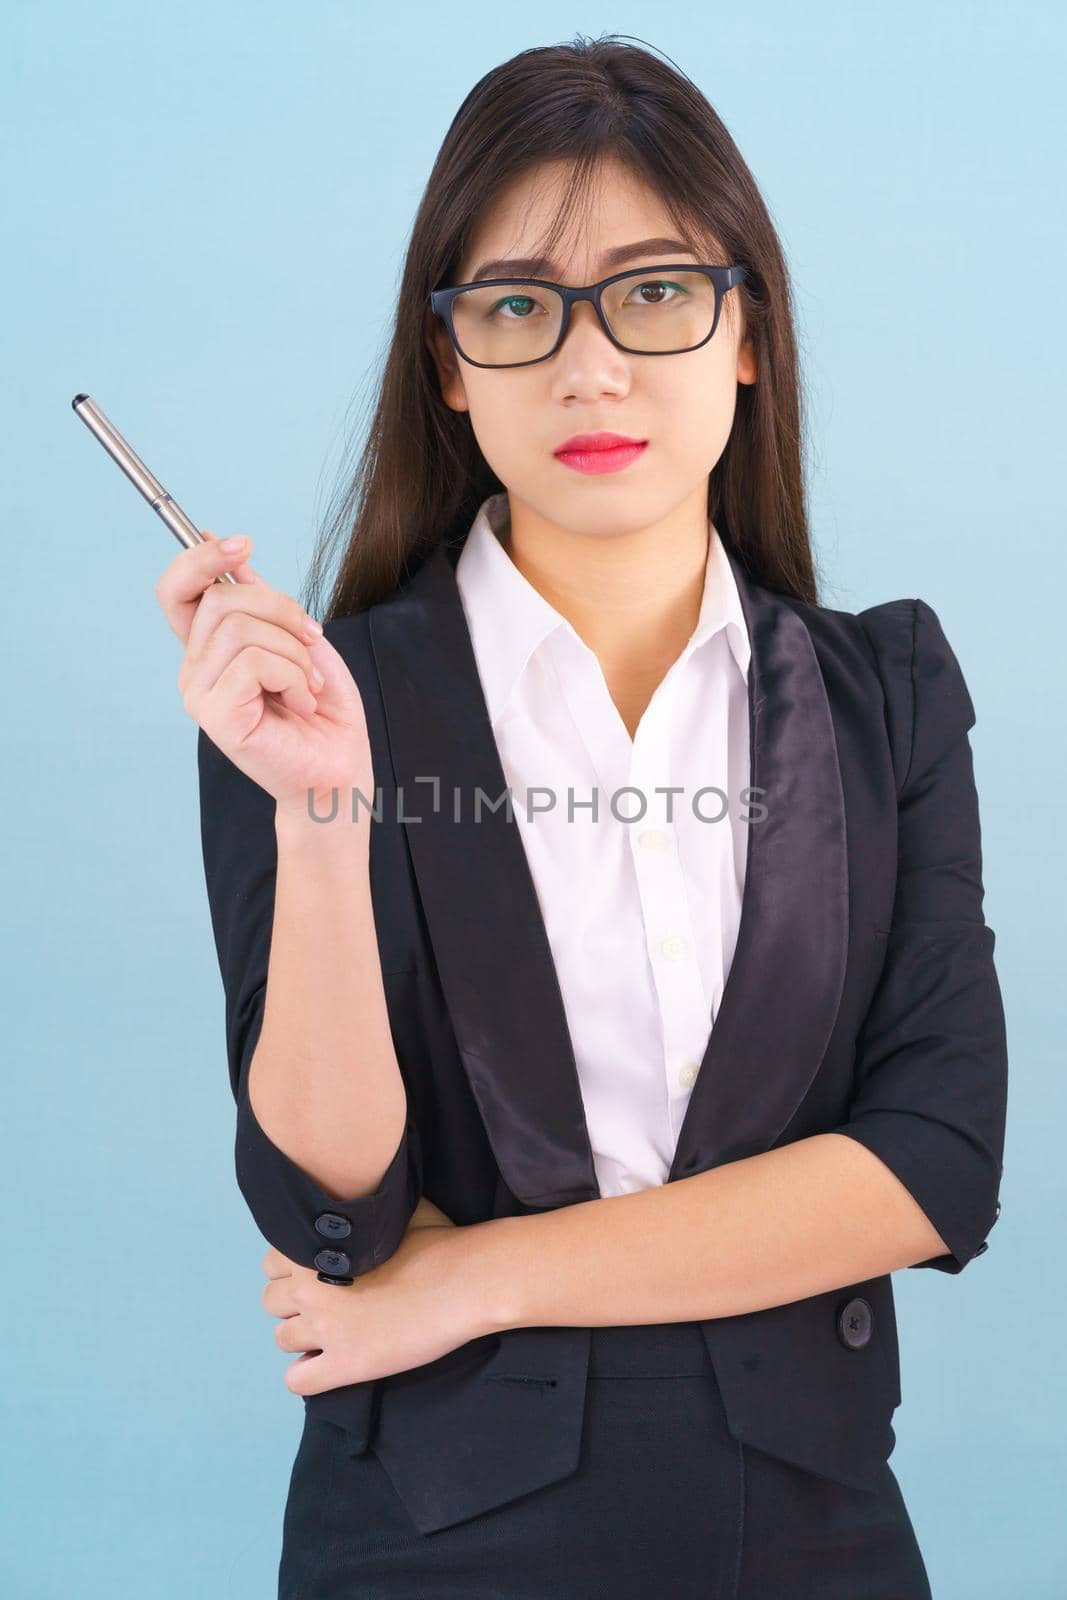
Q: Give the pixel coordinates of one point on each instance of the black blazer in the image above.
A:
(862, 998)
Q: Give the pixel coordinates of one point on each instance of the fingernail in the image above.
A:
(318, 678)
(230, 545)
(312, 626)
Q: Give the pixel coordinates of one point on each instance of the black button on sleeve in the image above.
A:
(333, 1226)
(288, 1206)
(334, 1262)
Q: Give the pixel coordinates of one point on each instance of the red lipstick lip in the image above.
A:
(597, 441)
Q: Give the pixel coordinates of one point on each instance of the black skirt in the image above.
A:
(664, 1505)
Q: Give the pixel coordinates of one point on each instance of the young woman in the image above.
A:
(588, 1128)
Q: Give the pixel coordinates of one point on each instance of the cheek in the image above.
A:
(691, 416)
(502, 419)
(712, 379)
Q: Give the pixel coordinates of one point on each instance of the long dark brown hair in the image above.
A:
(421, 476)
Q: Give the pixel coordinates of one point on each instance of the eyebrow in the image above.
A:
(537, 266)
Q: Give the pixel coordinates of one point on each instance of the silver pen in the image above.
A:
(165, 507)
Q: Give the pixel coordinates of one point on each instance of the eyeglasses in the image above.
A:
(513, 322)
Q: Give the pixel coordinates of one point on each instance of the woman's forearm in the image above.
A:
(807, 1217)
(324, 1083)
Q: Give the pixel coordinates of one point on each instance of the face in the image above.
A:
(683, 404)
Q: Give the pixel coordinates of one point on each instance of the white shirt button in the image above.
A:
(674, 948)
(652, 839)
(688, 1075)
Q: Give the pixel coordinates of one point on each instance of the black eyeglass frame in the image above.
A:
(723, 278)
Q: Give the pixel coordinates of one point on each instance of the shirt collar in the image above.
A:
(509, 619)
(720, 605)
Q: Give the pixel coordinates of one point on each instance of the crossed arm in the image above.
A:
(911, 1178)
(811, 1216)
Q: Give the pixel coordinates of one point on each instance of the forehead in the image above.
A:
(616, 208)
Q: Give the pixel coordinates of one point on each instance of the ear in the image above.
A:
(746, 361)
(445, 359)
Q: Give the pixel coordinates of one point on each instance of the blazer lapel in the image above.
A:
(488, 936)
(784, 986)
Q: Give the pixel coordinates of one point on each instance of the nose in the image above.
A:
(583, 315)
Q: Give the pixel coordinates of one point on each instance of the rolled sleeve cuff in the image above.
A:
(947, 1177)
(340, 1239)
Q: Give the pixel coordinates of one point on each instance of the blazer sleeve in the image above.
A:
(931, 1066)
(340, 1238)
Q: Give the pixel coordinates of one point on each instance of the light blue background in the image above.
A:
(206, 211)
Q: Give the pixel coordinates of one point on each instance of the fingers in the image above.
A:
(201, 669)
(217, 622)
(279, 1298)
(257, 600)
(277, 1265)
(193, 572)
(293, 1333)
(238, 692)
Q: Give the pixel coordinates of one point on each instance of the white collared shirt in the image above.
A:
(641, 915)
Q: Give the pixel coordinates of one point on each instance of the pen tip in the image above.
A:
(78, 397)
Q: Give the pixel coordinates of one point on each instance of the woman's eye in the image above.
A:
(656, 284)
(523, 301)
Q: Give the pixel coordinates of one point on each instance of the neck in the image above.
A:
(632, 596)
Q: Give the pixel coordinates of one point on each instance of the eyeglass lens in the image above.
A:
(515, 321)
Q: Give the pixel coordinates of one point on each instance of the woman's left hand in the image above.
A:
(413, 1308)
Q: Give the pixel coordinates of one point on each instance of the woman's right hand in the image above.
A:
(251, 678)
